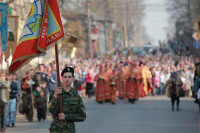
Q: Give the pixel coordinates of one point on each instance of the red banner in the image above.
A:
(43, 27)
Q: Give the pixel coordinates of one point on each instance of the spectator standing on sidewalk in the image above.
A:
(4, 97)
(15, 88)
(28, 105)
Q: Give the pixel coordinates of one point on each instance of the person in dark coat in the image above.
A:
(173, 85)
(28, 105)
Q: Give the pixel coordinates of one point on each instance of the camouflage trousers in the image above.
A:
(61, 132)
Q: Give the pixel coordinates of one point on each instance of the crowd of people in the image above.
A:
(149, 73)
(121, 75)
(29, 93)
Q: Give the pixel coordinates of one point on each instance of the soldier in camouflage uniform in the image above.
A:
(73, 109)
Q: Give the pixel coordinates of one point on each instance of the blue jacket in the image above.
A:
(196, 84)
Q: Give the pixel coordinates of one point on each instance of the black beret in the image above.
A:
(67, 69)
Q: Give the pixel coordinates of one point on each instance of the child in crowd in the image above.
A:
(41, 104)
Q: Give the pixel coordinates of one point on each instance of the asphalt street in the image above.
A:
(148, 115)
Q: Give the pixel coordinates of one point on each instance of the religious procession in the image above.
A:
(99, 63)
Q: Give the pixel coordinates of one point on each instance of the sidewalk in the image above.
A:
(23, 126)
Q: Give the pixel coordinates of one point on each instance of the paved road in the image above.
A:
(149, 115)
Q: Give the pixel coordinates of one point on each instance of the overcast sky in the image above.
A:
(156, 19)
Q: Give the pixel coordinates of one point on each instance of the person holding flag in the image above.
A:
(73, 109)
(43, 28)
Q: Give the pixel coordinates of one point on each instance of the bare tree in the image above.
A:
(185, 10)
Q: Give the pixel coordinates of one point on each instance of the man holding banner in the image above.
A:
(73, 109)
(43, 28)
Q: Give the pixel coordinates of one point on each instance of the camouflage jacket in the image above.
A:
(72, 107)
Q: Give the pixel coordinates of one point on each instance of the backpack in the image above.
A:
(14, 91)
(13, 87)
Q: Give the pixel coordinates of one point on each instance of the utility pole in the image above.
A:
(124, 25)
(121, 23)
(189, 16)
(115, 11)
(88, 47)
(116, 25)
(106, 25)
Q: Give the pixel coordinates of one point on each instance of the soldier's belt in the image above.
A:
(60, 121)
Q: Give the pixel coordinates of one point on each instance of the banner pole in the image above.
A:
(58, 75)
